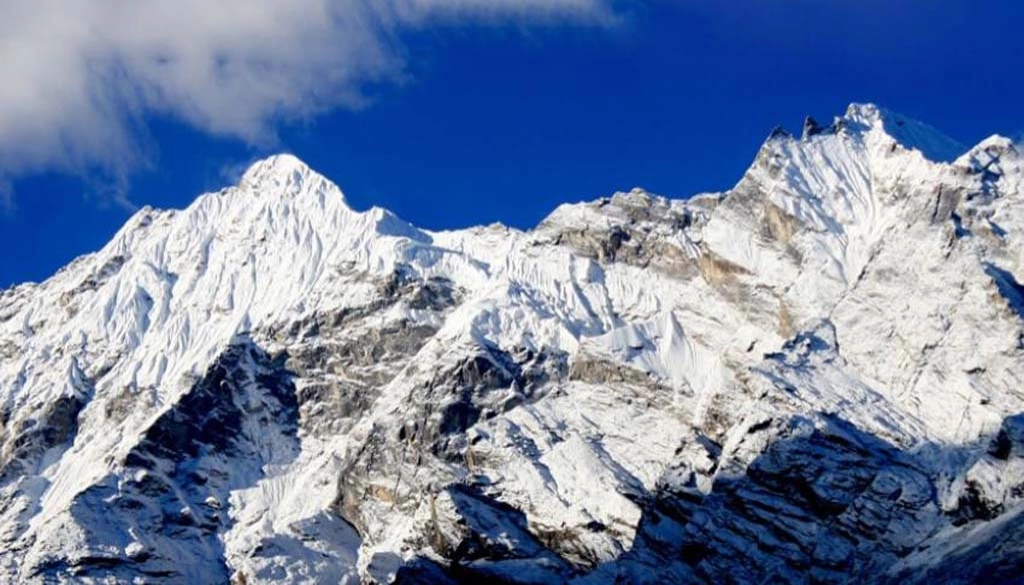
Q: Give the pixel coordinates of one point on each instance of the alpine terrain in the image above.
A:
(814, 377)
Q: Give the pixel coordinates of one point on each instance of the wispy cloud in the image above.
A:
(81, 78)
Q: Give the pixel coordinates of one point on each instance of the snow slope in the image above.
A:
(814, 375)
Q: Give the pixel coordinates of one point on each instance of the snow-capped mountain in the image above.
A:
(816, 376)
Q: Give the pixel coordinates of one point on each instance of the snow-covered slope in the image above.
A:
(817, 375)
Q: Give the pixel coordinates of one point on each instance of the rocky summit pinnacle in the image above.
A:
(811, 127)
(815, 376)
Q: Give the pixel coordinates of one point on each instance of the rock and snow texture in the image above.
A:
(816, 376)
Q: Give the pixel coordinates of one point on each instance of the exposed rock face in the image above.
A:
(814, 377)
(163, 510)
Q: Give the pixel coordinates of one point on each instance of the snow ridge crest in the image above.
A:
(820, 367)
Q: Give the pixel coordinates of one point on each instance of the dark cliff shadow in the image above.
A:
(162, 515)
(494, 545)
(1008, 287)
(824, 503)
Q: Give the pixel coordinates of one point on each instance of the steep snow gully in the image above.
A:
(814, 377)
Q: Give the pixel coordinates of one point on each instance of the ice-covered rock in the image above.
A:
(813, 376)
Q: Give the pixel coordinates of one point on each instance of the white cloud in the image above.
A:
(78, 78)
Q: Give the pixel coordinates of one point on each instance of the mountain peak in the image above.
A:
(283, 175)
(268, 386)
(277, 165)
(911, 134)
(865, 113)
(863, 120)
(989, 155)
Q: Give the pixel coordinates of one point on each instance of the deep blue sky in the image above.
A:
(503, 124)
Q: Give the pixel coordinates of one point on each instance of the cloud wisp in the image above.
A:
(80, 79)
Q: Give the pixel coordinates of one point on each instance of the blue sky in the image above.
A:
(501, 117)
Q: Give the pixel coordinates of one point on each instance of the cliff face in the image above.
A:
(816, 376)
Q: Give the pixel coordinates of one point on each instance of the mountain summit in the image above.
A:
(814, 376)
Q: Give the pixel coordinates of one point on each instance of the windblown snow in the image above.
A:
(816, 376)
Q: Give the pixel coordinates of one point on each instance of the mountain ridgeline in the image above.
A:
(816, 376)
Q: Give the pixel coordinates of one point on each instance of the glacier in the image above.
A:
(816, 376)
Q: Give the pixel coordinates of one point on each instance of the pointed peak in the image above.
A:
(811, 127)
(865, 113)
(276, 166)
(778, 133)
(907, 132)
(284, 175)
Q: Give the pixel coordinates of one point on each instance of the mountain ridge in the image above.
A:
(522, 406)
